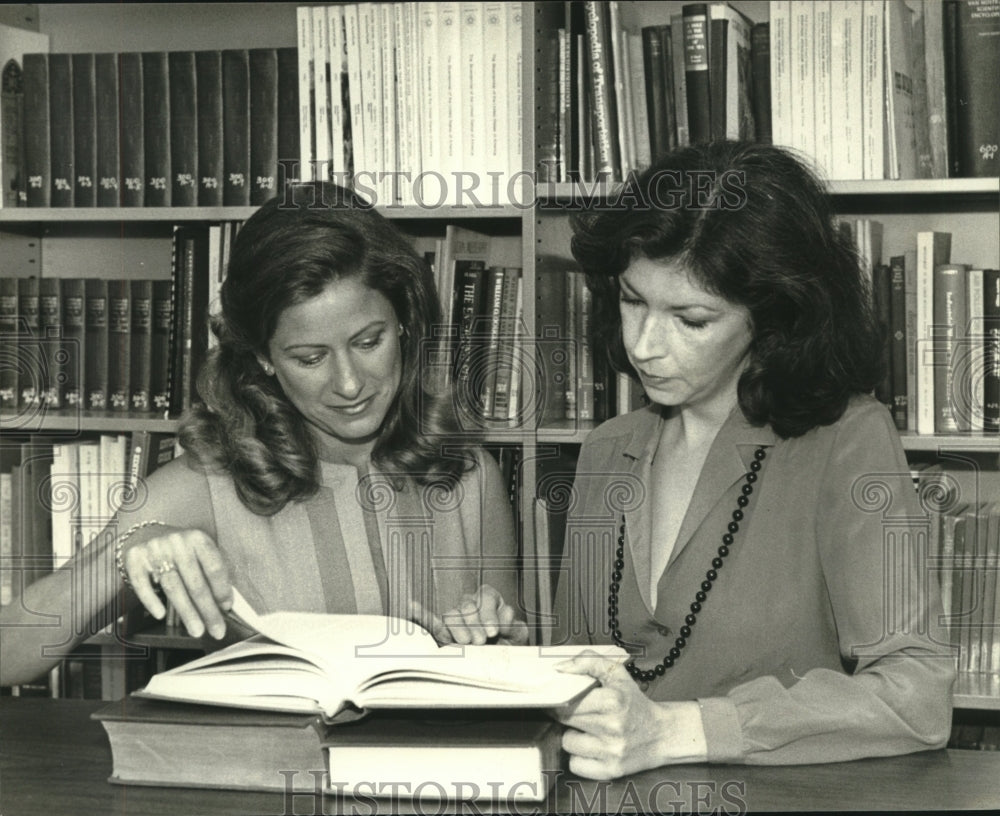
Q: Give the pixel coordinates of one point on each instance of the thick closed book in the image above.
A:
(160, 358)
(36, 124)
(61, 144)
(140, 353)
(183, 129)
(236, 127)
(208, 71)
(132, 130)
(170, 744)
(119, 344)
(108, 137)
(263, 124)
(156, 129)
(96, 339)
(505, 756)
(340, 665)
(288, 113)
(84, 131)
(73, 328)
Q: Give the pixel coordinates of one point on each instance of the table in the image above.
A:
(54, 759)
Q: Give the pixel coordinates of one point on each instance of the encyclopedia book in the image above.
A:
(340, 666)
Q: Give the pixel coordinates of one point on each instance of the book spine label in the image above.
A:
(84, 131)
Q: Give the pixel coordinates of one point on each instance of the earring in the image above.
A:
(267, 369)
(402, 329)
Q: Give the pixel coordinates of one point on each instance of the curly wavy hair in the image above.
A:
(752, 224)
(287, 252)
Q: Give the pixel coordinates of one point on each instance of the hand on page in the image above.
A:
(615, 729)
(481, 617)
(188, 567)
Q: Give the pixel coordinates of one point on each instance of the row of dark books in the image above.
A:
(119, 344)
(941, 334)
(408, 91)
(867, 90)
(153, 129)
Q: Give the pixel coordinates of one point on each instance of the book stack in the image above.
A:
(354, 705)
(868, 89)
(156, 128)
(412, 103)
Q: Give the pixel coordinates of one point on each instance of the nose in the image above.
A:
(650, 341)
(345, 379)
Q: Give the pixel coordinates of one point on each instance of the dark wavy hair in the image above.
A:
(288, 252)
(752, 224)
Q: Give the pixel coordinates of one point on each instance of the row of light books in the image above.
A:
(57, 496)
(152, 128)
(867, 89)
(941, 329)
(118, 344)
(356, 705)
(403, 96)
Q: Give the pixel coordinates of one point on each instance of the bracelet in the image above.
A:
(120, 542)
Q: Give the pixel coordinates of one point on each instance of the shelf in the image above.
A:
(976, 443)
(564, 193)
(978, 691)
(62, 215)
(157, 636)
(80, 421)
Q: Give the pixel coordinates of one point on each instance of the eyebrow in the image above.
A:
(679, 307)
(375, 324)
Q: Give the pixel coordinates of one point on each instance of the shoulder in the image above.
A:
(629, 432)
(864, 422)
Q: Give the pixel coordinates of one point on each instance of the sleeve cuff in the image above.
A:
(723, 734)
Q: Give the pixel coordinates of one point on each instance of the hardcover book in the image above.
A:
(84, 131)
(156, 129)
(108, 138)
(37, 156)
(61, 142)
(208, 67)
(119, 343)
(132, 129)
(96, 366)
(236, 128)
(183, 129)
(339, 666)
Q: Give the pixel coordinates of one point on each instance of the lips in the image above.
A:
(353, 408)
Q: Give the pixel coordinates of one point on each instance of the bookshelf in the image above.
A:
(966, 207)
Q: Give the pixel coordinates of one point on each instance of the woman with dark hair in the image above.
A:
(752, 536)
(324, 470)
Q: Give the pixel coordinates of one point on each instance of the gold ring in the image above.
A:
(162, 569)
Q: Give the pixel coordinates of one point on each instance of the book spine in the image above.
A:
(912, 336)
(371, 92)
(29, 328)
(61, 141)
(352, 35)
(547, 104)
(718, 34)
(9, 333)
(12, 135)
(307, 140)
(50, 334)
(873, 88)
(803, 90)
(450, 46)
(321, 94)
(96, 366)
(335, 65)
(494, 307)
(506, 349)
(975, 56)
(159, 354)
(991, 363)
(183, 129)
(288, 114)
(822, 69)
(933, 249)
(37, 155)
(656, 98)
(845, 110)
(882, 289)
(74, 328)
(497, 80)
(263, 124)
(679, 79)
(515, 95)
(386, 31)
(236, 127)
(898, 340)
(604, 126)
(156, 129)
(640, 100)
(550, 326)
(950, 405)
(760, 58)
(133, 162)
(141, 352)
(696, 70)
(119, 343)
(901, 131)
(934, 70)
(84, 130)
(108, 138)
(208, 69)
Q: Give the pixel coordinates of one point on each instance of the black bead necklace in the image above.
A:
(646, 675)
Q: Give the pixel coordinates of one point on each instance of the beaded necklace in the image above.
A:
(645, 675)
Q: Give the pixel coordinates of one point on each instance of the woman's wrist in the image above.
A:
(123, 538)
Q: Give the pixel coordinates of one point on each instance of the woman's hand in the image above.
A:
(480, 617)
(189, 568)
(616, 730)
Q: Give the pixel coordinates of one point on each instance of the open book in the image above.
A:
(339, 665)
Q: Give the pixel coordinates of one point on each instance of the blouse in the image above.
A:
(820, 638)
